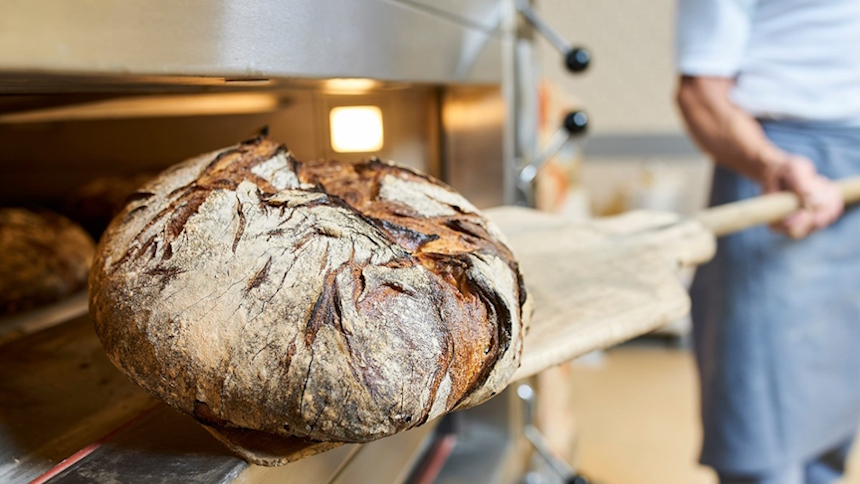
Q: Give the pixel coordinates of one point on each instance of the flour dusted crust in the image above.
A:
(43, 257)
(323, 302)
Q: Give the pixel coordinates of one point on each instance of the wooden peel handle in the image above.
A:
(734, 217)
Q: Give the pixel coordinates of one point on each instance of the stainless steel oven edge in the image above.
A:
(249, 39)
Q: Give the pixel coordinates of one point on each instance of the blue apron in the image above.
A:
(777, 324)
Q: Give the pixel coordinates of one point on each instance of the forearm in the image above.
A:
(731, 136)
(737, 141)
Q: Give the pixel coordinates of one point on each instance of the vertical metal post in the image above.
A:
(510, 149)
(527, 116)
(519, 86)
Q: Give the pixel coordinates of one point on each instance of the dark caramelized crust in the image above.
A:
(358, 184)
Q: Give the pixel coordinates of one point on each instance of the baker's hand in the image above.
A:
(821, 200)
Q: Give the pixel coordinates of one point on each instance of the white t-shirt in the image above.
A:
(793, 59)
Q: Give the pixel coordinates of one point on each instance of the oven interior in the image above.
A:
(85, 93)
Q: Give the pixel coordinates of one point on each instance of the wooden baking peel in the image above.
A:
(598, 283)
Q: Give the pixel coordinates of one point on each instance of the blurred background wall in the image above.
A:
(636, 154)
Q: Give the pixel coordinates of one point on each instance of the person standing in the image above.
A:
(770, 89)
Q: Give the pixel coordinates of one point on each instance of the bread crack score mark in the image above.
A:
(220, 174)
(324, 301)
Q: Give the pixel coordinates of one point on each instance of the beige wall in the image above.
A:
(629, 86)
(627, 90)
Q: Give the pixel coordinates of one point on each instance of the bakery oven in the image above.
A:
(96, 96)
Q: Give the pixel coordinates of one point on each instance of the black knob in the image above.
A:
(577, 479)
(577, 59)
(576, 122)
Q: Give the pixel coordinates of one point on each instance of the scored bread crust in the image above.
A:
(327, 301)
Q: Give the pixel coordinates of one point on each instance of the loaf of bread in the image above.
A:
(327, 302)
(43, 257)
(94, 204)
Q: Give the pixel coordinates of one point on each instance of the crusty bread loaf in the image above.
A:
(94, 204)
(328, 301)
(43, 257)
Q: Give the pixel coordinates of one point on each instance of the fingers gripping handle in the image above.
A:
(734, 217)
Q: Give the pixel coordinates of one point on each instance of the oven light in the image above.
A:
(350, 86)
(356, 129)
